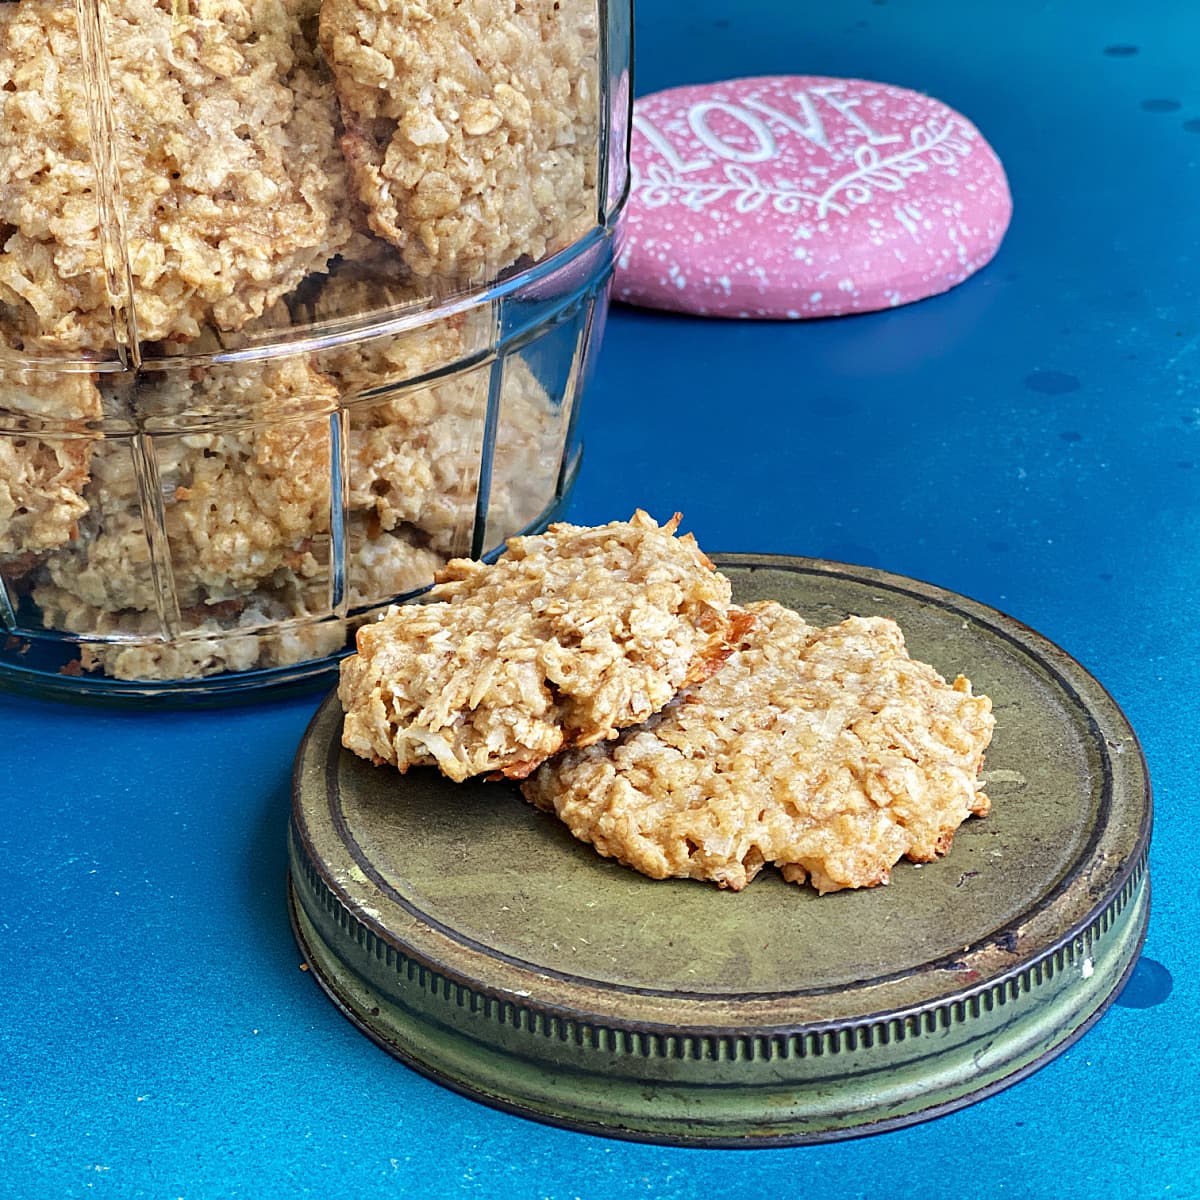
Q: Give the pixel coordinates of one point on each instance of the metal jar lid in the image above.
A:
(472, 937)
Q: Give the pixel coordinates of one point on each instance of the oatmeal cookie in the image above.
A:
(41, 492)
(381, 566)
(59, 400)
(234, 636)
(241, 633)
(415, 459)
(414, 449)
(471, 125)
(567, 638)
(238, 504)
(42, 478)
(828, 752)
(224, 140)
(530, 438)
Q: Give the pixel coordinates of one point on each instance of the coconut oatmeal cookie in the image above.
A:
(255, 628)
(41, 493)
(261, 629)
(43, 473)
(415, 458)
(471, 125)
(238, 504)
(381, 566)
(416, 419)
(42, 479)
(224, 140)
(828, 752)
(569, 637)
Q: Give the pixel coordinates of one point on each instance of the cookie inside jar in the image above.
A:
(296, 301)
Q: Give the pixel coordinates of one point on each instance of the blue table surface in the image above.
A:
(1031, 439)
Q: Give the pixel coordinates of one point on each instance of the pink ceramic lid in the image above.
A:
(805, 196)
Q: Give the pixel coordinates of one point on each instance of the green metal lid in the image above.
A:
(472, 937)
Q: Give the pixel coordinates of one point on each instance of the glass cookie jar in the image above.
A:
(297, 301)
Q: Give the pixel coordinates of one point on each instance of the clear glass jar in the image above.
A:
(297, 301)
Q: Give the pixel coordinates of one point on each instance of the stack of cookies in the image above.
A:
(609, 670)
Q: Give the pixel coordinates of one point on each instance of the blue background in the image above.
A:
(1031, 439)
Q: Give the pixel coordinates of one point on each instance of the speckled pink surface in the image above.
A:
(803, 196)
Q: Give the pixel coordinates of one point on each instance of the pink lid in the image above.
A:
(803, 196)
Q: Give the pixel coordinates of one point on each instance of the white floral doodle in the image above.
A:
(659, 187)
(930, 144)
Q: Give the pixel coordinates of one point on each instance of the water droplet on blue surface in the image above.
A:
(1149, 984)
(1052, 383)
